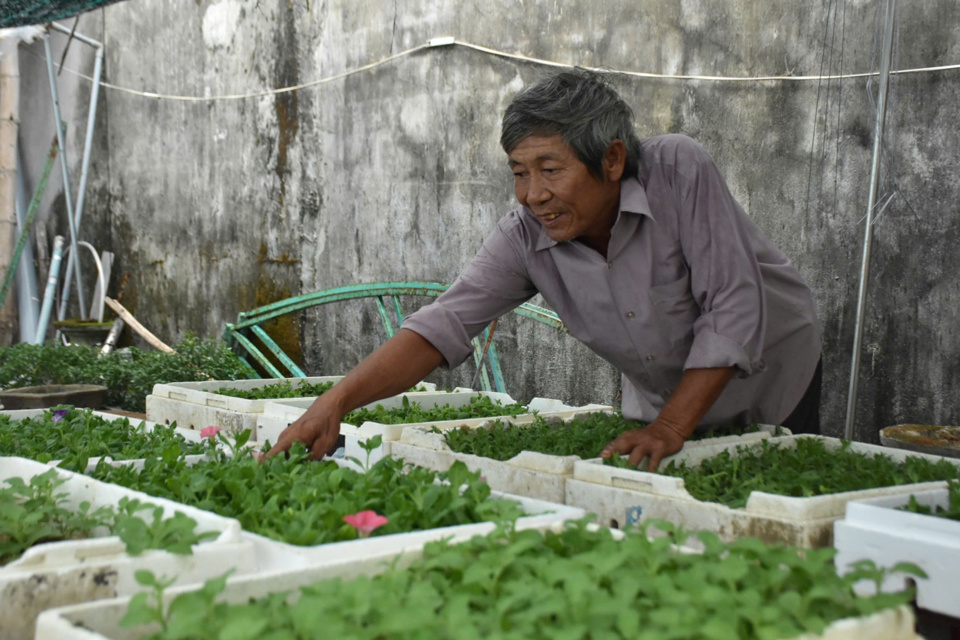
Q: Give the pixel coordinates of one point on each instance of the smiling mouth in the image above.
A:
(550, 217)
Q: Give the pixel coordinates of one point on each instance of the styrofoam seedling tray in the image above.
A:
(188, 435)
(529, 473)
(195, 405)
(275, 554)
(205, 393)
(280, 414)
(621, 497)
(71, 571)
(100, 621)
(875, 529)
(391, 433)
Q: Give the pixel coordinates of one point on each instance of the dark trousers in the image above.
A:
(805, 417)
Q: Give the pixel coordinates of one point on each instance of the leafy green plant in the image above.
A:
(34, 512)
(951, 511)
(128, 374)
(578, 583)
(585, 436)
(411, 411)
(75, 435)
(283, 389)
(300, 502)
(810, 469)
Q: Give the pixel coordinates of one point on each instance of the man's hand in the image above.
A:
(318, 429)
(401, 362)
(696, 393)
(657, 441)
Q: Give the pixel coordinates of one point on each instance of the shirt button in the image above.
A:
(610, 265)
(649, 358)
(630, 314)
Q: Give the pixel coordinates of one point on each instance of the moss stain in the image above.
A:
(286, 104)
(285, 330)
(263, 258)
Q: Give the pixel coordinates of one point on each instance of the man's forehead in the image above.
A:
(533, 148)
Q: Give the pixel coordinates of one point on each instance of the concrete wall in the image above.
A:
(395, 173)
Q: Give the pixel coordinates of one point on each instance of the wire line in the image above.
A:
(448, 41)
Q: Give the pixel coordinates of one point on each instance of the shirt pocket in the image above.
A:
(675, 310)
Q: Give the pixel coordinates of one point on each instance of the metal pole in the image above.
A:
(88, 141)
(74, 254)
(891, 7)
(85, 166)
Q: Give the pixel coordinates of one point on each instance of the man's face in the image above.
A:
(561, 192)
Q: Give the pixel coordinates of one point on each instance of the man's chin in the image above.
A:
(558, 235)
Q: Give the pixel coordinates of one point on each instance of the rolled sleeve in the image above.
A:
(711, 350)
(725, 276)
(442, 328)
(494, 283)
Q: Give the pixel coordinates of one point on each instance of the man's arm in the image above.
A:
(399, 364)
(696, 393)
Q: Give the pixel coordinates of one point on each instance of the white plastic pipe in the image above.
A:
(28, 301)
(51, 292)
(100, 279)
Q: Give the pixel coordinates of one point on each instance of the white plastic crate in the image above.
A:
(188, 435)
(71, 571)
(529, 473)
(196, 405)
(278, 415)
(875, 529)
(100, 621)
(621, 497)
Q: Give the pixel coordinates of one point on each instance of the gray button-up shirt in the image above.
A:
(689, 282)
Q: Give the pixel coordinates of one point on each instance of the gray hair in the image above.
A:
(583, 108)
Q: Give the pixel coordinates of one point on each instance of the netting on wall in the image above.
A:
(19, 13)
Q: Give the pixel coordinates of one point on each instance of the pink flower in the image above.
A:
(209, 432)
(483, 478)
(365, 521)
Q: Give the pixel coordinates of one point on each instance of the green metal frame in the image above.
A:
(241, 334)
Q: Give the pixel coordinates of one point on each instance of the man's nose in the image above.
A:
(537, 192)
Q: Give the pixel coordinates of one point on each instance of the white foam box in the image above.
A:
(391, 434)
(875, 529)
(273, 554)
(100, 621)
(529, 473)
(622, 497)
(57, 573)
(188, 435)
(196, 405)
(278, 415)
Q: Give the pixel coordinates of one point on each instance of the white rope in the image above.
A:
(447, 41)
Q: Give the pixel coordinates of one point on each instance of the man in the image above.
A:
(647, 258)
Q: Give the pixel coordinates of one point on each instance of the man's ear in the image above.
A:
(614, 161)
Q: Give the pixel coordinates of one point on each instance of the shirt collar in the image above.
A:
(633, 200)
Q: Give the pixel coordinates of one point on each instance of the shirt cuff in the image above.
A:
(712, 350)
(443, 329)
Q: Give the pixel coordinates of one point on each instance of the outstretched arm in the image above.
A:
(399, 364)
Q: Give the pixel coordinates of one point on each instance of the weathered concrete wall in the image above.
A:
(395, 173)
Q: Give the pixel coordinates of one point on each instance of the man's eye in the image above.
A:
(519, 174)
